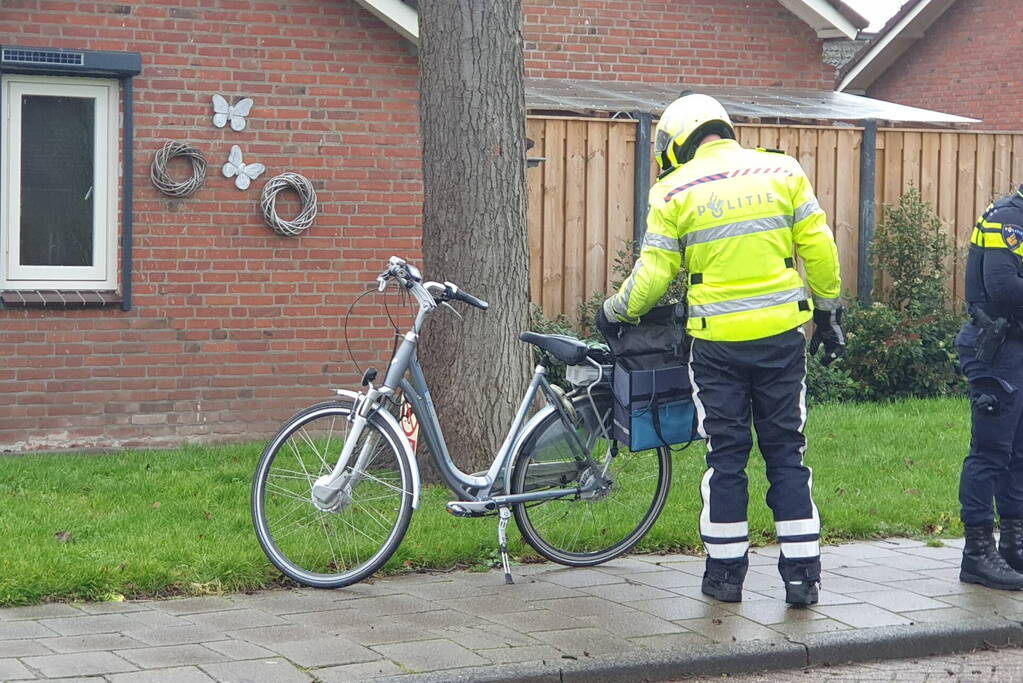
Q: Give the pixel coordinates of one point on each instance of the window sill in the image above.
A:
(49, 298)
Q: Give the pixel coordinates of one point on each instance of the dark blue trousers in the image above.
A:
(762, 382)
(993, 470)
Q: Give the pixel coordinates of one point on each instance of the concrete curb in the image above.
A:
(839, 647)
(916, 640)
(648, 665)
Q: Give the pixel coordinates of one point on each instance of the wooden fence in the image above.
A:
(581, 196)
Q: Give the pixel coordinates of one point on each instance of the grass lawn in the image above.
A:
(149, 523)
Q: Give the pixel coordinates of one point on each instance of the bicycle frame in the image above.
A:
(473, 487)
(405, 373)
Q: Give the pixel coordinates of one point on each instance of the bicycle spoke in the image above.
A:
(297, 476)
(380, 520)
(290, 515)
(326, 446)
(326, 529)
(383, 483)
(287, 493)
(312, 446)
(301, 462)
(352, 527)
(292, 528)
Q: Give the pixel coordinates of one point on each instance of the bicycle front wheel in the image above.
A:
(594, 527)
(330, 548)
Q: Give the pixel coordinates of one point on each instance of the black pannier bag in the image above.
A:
(653, 404)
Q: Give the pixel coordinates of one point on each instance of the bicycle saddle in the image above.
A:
(566, 349)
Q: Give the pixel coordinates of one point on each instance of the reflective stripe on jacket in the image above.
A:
(994, 264)
(739, 216)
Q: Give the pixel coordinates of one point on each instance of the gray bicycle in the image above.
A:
(336, 487)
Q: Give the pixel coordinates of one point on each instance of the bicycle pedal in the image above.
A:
(471, 508)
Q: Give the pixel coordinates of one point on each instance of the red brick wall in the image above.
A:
(698, 42)
(233, 328)
(970, 63)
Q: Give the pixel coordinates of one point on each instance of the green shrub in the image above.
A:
(893, 353)
(904, 344)
(911, 248)
(831, 384)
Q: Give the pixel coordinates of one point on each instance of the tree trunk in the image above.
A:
(472, 110)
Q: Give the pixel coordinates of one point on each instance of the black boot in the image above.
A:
(723, 583)
(802, 593)
(802, 581)
(984, 565)
(1010, 542)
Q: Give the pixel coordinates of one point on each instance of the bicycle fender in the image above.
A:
(403, 443)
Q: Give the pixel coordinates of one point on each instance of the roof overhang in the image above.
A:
(750, 105)
(829, 18)
(908, 26)
(400, 16)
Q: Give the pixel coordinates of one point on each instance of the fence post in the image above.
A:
(868, 210)
(641, 177)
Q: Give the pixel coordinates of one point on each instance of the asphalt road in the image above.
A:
(985, 665)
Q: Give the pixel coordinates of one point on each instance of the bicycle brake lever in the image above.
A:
(382, 283)
(452, 308)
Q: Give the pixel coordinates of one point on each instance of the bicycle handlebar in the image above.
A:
(452, 291)
(410, 278)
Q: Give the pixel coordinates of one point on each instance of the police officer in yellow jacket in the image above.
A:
(736, 219)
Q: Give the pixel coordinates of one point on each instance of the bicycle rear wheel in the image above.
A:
(337, 547)
(586, 530)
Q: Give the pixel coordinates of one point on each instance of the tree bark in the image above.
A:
(472, 111)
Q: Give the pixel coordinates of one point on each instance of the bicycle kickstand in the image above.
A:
(502, 541)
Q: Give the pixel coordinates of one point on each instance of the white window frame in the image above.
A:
(102, 275)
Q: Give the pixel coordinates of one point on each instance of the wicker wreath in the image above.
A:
(301, 186)
(178, 188)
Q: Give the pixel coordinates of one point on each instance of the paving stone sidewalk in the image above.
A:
(555, 623)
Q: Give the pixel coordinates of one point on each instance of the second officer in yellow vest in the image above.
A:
(736, 219)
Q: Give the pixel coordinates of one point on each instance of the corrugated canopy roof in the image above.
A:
(743, 104)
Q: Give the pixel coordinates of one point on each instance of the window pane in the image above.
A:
(57, 173)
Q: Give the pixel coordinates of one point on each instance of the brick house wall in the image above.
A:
(941, 71)
(699, 42)
(233, 328)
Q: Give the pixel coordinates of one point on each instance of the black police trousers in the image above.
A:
(993, 469)
(763, 381)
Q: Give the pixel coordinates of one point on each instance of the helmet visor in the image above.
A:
(662, 141)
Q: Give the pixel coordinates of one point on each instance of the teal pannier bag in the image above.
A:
(653, 404)
(653, 408)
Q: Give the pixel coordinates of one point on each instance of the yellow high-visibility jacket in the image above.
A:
(739, 217)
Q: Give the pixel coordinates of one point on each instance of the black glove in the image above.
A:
(607, 328)
(828, 332)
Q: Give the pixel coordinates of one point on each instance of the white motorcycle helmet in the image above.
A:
(684, 124)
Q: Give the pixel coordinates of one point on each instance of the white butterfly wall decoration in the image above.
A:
(242, 173)
(235, 113)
